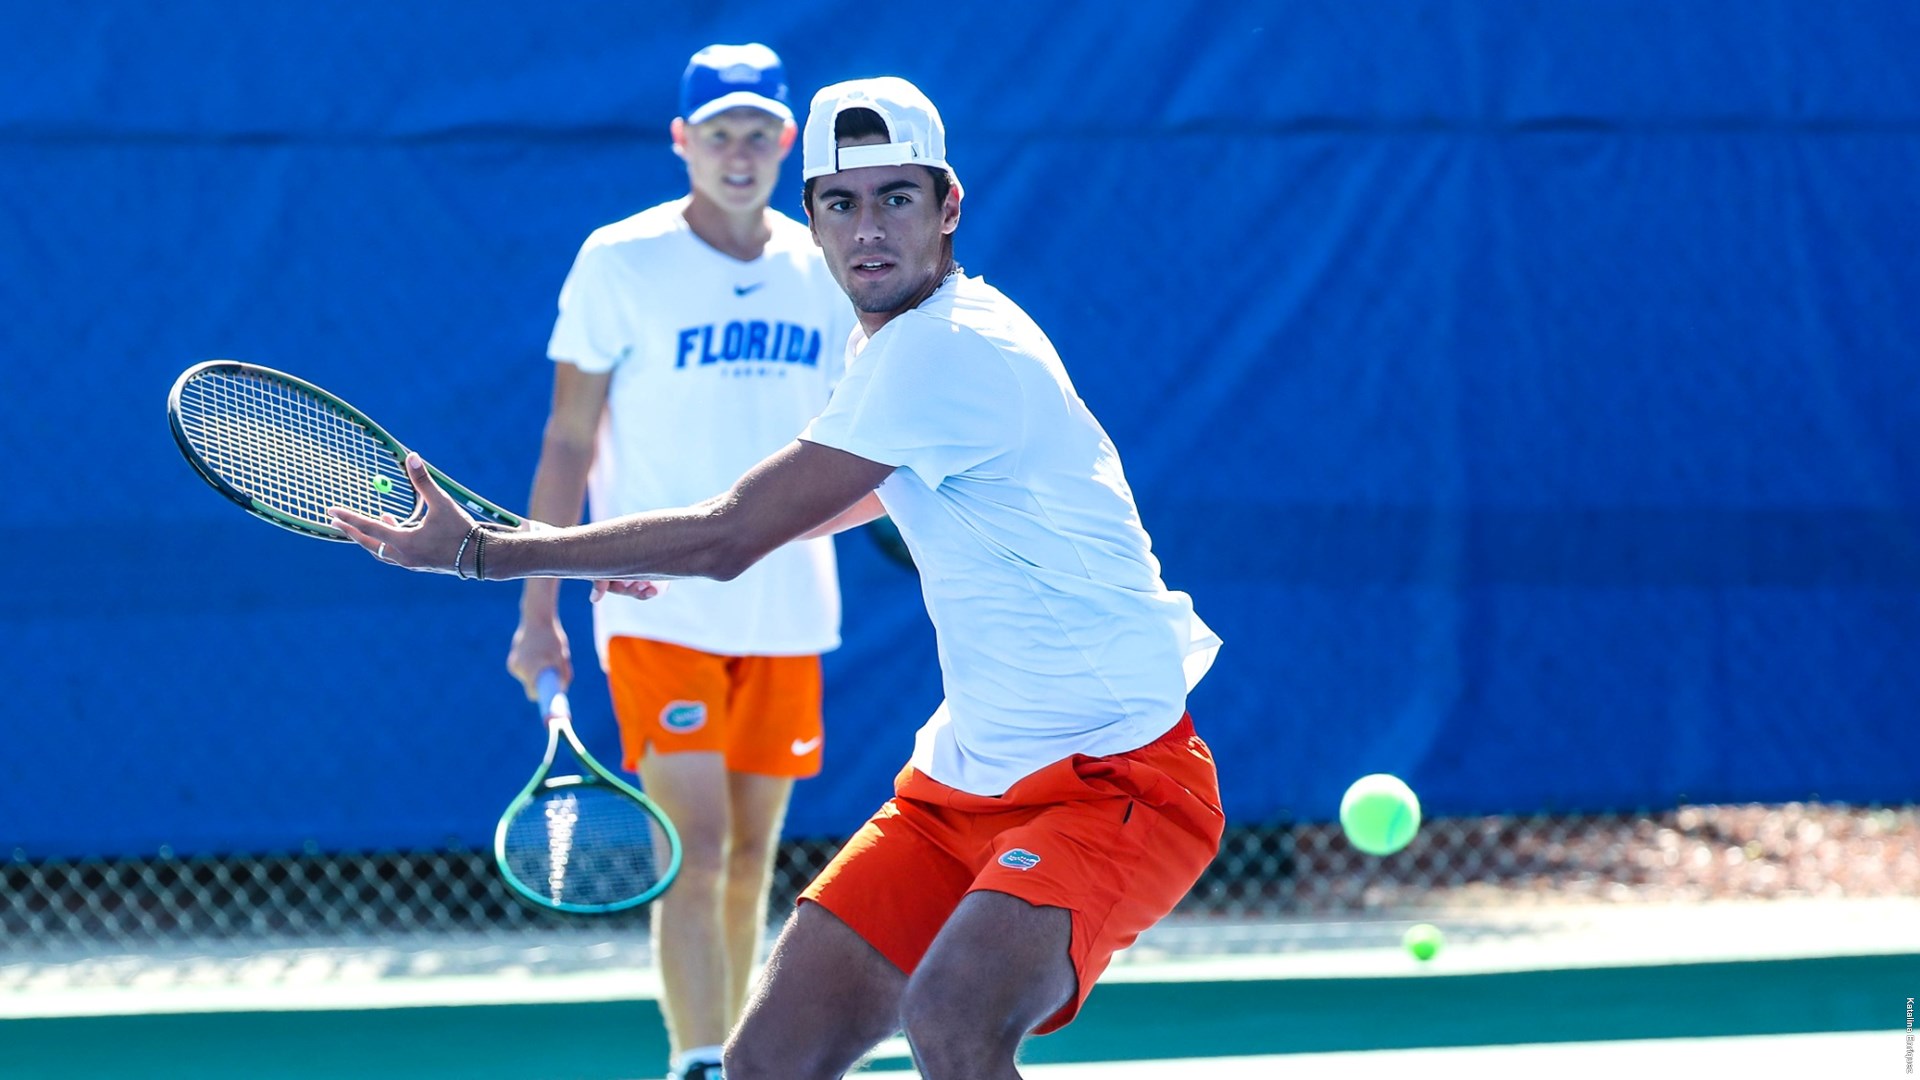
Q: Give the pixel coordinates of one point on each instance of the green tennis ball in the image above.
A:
(383, 485)
(1422, 940)
(1379, 814)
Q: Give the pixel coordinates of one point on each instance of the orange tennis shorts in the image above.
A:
(1117, 841)
(761, 712)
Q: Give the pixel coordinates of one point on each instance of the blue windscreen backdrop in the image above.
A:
(1527, 392)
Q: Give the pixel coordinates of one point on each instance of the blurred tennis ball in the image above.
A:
(1422, 940)
(1379, 814)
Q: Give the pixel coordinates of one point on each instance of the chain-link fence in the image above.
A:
(1270, 872)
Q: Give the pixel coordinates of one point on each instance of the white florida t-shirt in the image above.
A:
(716, 363)
(1056, 635)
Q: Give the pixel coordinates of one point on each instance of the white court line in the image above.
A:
(1850, 1054)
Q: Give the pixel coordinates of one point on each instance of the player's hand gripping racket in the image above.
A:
(588, 843)
(285, 450)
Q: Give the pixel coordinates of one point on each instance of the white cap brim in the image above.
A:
(739, 99)
(867, 157)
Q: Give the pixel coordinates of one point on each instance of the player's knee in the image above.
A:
(702, 870)
(749, 1057)
(746, 1059)
(746, 855)
(950, 1026)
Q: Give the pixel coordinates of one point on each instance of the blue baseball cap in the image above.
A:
(722, 77)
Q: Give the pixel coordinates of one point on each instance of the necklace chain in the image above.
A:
(952, 272)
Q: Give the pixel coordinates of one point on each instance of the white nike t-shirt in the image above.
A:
(1056, 635)
(716, 363)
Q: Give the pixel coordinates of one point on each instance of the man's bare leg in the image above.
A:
(827, 998)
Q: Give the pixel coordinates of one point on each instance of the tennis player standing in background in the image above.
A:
(694, 339)
(1059, 802)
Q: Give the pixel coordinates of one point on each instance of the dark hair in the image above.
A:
(858, 124)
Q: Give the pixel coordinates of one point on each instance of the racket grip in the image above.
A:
(553, 697)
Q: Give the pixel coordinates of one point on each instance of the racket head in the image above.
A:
(285, 450)
(587, 843)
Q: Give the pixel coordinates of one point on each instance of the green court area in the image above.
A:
(1245, 1024)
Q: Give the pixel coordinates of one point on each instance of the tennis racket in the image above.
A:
(587, 843)
(285, 450)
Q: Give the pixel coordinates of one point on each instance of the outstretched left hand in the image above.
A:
(427, 541)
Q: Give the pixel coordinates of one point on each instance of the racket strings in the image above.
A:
(585, 844)
(290, 451)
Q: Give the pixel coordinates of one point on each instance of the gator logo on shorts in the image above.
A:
(680, 717)
(1020, 859)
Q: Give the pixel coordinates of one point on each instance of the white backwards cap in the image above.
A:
(915, 135)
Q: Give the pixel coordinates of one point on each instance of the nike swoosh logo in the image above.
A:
(742, 290)
(803, 747)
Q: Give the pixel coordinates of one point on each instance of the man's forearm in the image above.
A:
(690, 542)
(795, 490)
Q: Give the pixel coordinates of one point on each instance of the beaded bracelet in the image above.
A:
(480, 556)
(461, 555)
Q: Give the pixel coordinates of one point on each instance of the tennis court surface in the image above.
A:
(1801, 989)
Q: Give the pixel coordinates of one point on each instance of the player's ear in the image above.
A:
(950, 210)
(679, 129)
(788, 133)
